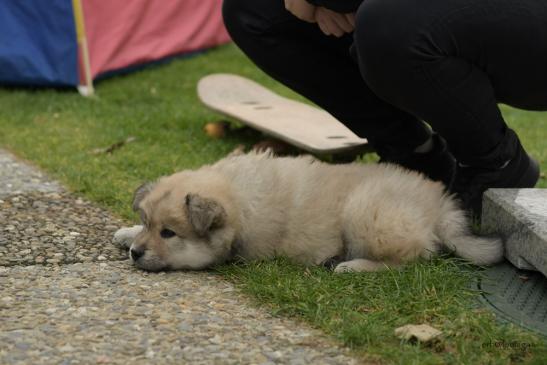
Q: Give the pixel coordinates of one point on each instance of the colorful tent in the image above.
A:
(72, 42)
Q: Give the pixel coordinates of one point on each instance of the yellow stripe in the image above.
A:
(79, 19)
(82, 42)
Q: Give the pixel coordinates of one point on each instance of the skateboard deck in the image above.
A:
(294, 122)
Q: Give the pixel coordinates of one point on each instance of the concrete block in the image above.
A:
(519, 216)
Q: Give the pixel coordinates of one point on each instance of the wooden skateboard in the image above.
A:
(294, 122)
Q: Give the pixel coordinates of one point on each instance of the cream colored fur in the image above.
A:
(256, 206)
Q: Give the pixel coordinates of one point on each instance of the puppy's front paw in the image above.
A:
(125, 236)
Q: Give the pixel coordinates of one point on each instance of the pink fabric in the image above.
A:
(122, 33)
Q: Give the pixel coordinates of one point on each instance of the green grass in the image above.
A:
(57, 130)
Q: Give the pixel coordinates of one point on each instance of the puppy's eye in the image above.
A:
(167, 233)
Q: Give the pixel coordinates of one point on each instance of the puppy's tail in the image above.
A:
(453, 230)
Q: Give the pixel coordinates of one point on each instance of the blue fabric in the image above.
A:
(38, 43)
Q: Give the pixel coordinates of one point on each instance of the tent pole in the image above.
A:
(88, 90)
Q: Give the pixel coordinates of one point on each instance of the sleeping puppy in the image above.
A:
(255, 206)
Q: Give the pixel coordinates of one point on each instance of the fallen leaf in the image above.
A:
(113, 147)
(364, 309)
(420, 332)
(524, 277)
(217, 129)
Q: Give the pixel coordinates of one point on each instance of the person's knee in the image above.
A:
(386, 32)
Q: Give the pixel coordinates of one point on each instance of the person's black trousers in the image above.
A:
(447, 62)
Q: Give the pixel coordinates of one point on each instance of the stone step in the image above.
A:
(519, 216)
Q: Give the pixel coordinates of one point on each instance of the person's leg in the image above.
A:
(449, 63)
(320, 68)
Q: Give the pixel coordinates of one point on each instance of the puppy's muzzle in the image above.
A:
(136, 253)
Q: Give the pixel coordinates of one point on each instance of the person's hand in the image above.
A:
(301, 9)
(333, 23)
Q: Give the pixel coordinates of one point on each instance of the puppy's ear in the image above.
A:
(204, 214)
(141, 192)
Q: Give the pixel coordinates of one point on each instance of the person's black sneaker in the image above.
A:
(521, 171)
(438, 164)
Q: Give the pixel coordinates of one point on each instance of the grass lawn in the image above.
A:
(57, 130)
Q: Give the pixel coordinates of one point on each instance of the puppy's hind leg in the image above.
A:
(360, 265)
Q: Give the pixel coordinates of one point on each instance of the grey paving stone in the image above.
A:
(112, 313)
(520, 217)
(17, 177)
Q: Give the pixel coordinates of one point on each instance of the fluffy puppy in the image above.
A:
(256, 206)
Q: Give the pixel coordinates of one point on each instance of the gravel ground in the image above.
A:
(17, 177)
(66, 298)
(55, 228)
(113, 313)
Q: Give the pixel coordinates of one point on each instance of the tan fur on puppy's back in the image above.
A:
(393, 213)
(385, 212)
(290, 206)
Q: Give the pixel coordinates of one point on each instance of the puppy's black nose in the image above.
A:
(136, 253)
